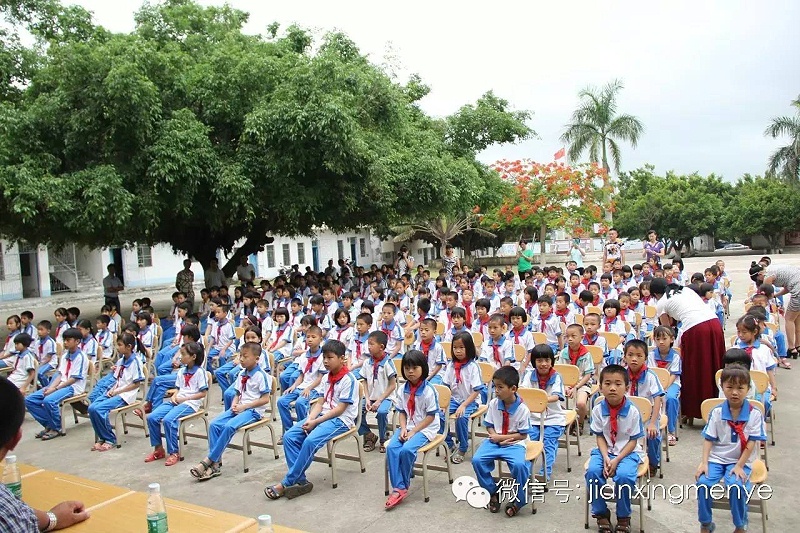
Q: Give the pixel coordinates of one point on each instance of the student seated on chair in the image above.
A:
(507, 421)
(23, 369)
(308, 384)
(433, 350)
(618, 426)
(663, 356)
(463, 376)
(253, 390)
(577, 354)
(127, 376)
(380, 378)
(418, 406)
(221, 339)
(730, 435)
(68, 381)
(332, 416)
(192, 384)
(45, 350)
(645, 383)
(251, 334)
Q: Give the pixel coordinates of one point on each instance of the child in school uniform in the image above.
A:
(145, 322)
(127, 376)
(392, 329)
(357, 349)
(62, 325)
(458, 319)
(22, 364)
(222, 337)
(251, 334)
(104, 337)
(519, 334)
(381, 380)
(418, 407)
(88, 342)
(253, 390)
(192, 384)
(617, 424)
(562, 310)
(463, 376)
(664, 356)
(645, 383)
(507, 421)
(613, 324)
(69, 380)
(591, 325)
(342, 330)
(576, 353)
(308, 384)
(432, 350)
(26, 323)
(748, 332)
(731, 433)
(544, 377)
(548, 323)
(497, 349)
(45, 352)
(332, 416)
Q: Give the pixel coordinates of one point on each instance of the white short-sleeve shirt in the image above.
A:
(554, 415)
(671, 362)
(629, 426)
(377, 382)
(426, 402)
(505, 351)
(551, 327)
(197, 382)
(277, 336)
(344, 391)
(23, 363)
(394, 332)
(311, 373)
(257, 385)
(470, 381)
(74, 365)
(519, 418)
(127, 370)
(46, 350)
(647, 386)
(435, 355)
(726, 448)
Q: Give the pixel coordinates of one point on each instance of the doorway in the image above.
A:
(29, 270)
(315, 255)
(353, 242)
(116, 259)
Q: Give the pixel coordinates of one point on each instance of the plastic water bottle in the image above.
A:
(11, 478)
(156, 511)
(265, 524)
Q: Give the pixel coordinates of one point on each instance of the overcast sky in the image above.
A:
(705, 77)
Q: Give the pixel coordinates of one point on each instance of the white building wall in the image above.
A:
(165, 265)
(92, 262)
(10, 281)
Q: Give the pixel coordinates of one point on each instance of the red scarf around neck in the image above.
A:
(544, 380)
(518, 334)
(590, 341)
(376, 365)
(738, 428)
(544, 318)
(333, 379)
(596, 300)
(575, 355)
(457, 366)
(613, 416)
(635, 379)
(412, 392)
(562, 314)
(607, 321)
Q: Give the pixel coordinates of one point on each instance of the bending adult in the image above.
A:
(404, 262)
(788, 279)
(16, 515)
(700, 338)
(450, 261)
(653, 248)
(524, 259)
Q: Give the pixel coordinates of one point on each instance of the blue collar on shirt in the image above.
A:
(420, 390)
(389, 326)
(670, 355)
(252, 372)
(744, 414)
(502, 340)
(550, 381)
(454, 330)
(622, 412)
(362, 338)
(511, 408)
(125, 362)
(313, 355)
(382, 361)
(72, 355)
(740, 344)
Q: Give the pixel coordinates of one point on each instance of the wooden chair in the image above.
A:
(642, 472)
(440, 327)
(761, 380)
(539, 337)
(613, 340)
(330, 448)
(202, 414)
(238, 332)
(597, 359)
(120, 413)
(409, 340)
(570, 375)
(758, 475)
(437, 444)
(579, 319)
(477, 338)
(663, 376)
(266, 421)
(649, 311)
(447, 349)
(72, 400)
(594, 309)
(519, 354)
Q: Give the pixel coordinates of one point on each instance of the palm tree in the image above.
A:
(443, 229)
(597, 126)
(785, 161)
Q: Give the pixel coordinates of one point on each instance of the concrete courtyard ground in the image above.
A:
(357, 504)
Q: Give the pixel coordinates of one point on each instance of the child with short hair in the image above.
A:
(14, 328)
(507, 422)
(548, 323)
(128, 375)
(664, 356)
(222, 337)
(463, 376)
(520, 335)
(418, 407)
(23, 365)
(381, 378)
(562, 310)
(253, 388)
(481, 323)
(498, 349)
(308, 384)
(591, 325)
(576, 353)
(69, 380)
(436, 358)
(26, 323)
(357, 349)
(332, 416)
(617, 424)
(730, 434)
(748, 332)
(73, 315)
(645, 383)
(392, 329)
(104, 337)
(45, 352)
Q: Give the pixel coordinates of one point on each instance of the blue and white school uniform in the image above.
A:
(648, 386)
(670, 361)
(169, 414)
(597, 340)
(436, 357)
(105, 339)
(48, 360)
(341, 334)
(357, 351)
(395, 335)
(293, 370)
(23, 363)
(300, 447)
(45, 409)
(89, 347)
(585, 364)
(629, 427)
(726, 450)
(222, 335)
(498, 352)
(280, 343)
(608, 294)
(763, 360)
(525, 339)
(127, 371)
(505, 420)
(310, 365)
(462, 386)
(378, 375)
(554, 418)
(230, 392)
(400, 456)
(453, 331)
(550, 325)
(481, 327)
(61, 327)
(617, 326)
(494, 303)
(146, 338)
(251, 385)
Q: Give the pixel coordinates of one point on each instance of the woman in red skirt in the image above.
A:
(700, 338)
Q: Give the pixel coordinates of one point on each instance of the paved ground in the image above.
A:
(359, 499)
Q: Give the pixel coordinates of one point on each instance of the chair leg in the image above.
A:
(567, 439)
(425, 477)
(181, 439)
(586, 509)
(245, 449)
(772, 425)
(332, 458)
(385, 474)
(360, 449)
(447, 462)
(578, 441)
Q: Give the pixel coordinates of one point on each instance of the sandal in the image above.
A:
(511, 510)
(783, 363)
(671, 440)
(172, 460)
(623, 524)
(603, 523)
(212, 472)
(397, 496)
(382, 448)
(42, 433)
(298, 489)
(50, 435)
(709, 528)
(369, 442)
(272, 493)
(105, 447)
(494, 503)
(155, 456)
(200, 470)
(96, 446)
(457, 458)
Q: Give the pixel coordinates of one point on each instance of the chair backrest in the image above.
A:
(644, 406)
(444, 393)
(273, 393)
(579, 319)
(359, 412)
(204, 405)
(570, 374)
(613, 340)
(238, 332)
(594, 309)
(409, 318)
(59, 349)
(663, 376)
(447, 348)
(535, 399)
(638, 319)
(487, 372)
(271, 359)
(708, 405)
(597, 354)
(477, 338)
(409, 339)
(440, 328)
(519, 352)
(539, 337)
(773, 327)
(761, 380)
(398, 367)
(649, 311)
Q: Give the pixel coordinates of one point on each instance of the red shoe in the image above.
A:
(155, 456)
(148, 407)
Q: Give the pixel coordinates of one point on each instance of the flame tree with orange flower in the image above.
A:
(550, 196)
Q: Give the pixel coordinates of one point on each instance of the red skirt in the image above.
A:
(702, 350)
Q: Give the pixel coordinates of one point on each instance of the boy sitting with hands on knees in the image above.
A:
(576, 354)
(381, 378)
(645, 383)
(308, 384)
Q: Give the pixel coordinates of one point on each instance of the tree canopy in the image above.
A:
(785, 161)
(763, 206)
(190, 132)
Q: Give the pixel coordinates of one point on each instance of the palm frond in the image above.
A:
(626, 128)
(783, 126)
(785, 162)
(613, 147)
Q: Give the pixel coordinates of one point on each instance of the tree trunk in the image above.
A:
(542, 241)
(251, 245)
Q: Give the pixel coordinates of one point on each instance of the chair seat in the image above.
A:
(258, 423)
(759, 472)
(595, 388)
(76, 398)
(127, 406)
(571, 415)
(437, 440)
(349, 433)
(199, 412)
(533, 449)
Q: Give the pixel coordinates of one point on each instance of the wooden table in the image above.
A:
(26, 470)
(43, 490)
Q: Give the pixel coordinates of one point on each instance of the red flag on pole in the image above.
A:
(558, 155)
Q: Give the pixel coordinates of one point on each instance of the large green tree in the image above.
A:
(763, 206)
(785, 161)
(597, 127)
(189, 132)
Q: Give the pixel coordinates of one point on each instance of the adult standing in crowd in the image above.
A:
(214, 276)
(404, 262)
(112, 286)
(15, 515)
(700, 338)
(576, 254)
(524, 259)
(245, 272)
(653, 248)
(613, 247)
(450, 261)
(788, 279)
(184, 281)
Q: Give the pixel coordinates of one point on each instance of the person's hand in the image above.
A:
(238, 408)
(739, 472)
(306, 393)
(701, 471)
(374, 406)
(460, 411)
(497, 438)
(611, 467)
(69, 513)
(652, 430)
(48, 390)
(606, 466)
(569, 392)
(309, 425)
(111, 393)
(403, 435)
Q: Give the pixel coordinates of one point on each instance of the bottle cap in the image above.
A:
(154, 487)
(264, 520)
(11, 458)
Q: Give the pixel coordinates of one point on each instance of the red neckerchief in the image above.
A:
(496, 353)
(69, 365)
(517, 334)
(376, 366)
(574, 356)
(468, 312)
(590, 341)
(635, 379)
(358, 347)
(544, 318)
(333, 379)
(457, 366)
(412, 402)
(738, 428)
(505, 420)
(596, 300)
(529, 309)
(660, 363)
(245, 379)
(311, 361)
(482, 324)
(608, 321)
(544, 380)
(646, 300)
(187, 378)
(120, 370)
(574, 290)
(562, 314)
(425, 347)
(280, 333)
(613, 414)
(340, 330)
(387, 328)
